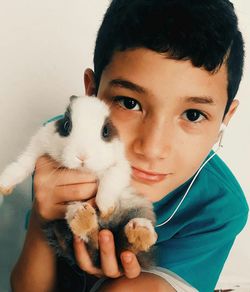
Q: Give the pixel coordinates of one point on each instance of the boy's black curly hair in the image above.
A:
(202, 31)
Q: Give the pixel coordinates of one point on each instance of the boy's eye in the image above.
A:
(128, 103)
(194, 116)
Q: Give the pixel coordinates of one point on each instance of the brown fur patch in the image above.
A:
(108, 214)
(5, 191)
(84, 221)
(94, 238)
(140, 237)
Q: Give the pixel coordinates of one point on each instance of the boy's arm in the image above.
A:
(36, 267)
(132, 280)
(144, 282)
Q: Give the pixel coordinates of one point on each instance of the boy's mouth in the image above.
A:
(146, 176)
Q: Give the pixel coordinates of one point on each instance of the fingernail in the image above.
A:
(127, 258)
(104, 238)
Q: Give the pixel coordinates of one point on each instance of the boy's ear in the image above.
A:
(89, 82)
(232, 109)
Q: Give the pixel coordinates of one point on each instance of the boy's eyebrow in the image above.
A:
(135, 87)
(200, 99)
(127, 84)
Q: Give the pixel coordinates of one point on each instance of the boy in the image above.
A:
(169, 71)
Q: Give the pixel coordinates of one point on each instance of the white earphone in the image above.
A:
(223, 127)
(221, 134)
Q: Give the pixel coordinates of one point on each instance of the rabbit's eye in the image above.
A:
(66, 127)
(106, 131)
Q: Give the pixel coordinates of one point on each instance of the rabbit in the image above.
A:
(85, 139)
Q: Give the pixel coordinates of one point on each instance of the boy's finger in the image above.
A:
(130, 265)
(107, 254)
(75, 192)
(83, 259)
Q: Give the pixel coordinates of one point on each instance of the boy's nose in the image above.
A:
(154, 140)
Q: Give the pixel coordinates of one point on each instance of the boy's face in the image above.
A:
(168, 114)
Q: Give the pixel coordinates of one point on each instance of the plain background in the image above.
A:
(44, 48)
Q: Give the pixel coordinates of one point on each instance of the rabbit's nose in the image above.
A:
(81, 158)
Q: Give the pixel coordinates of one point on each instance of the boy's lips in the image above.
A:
(146, 176)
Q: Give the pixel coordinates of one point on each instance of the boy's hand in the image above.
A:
(55, 187)
(109, 265)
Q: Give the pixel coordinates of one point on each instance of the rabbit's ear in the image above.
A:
(73, 97)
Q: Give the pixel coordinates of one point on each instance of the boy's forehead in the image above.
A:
(142, 58)
(145, 71)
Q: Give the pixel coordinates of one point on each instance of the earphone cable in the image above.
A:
(189, 187)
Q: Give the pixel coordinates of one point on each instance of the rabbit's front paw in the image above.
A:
(82, 220)
(5, 190)
(7, 181)
(140, 234)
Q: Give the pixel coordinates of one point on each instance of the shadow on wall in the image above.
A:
(12, 229)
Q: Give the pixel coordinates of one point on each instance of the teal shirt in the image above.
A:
(195, 243)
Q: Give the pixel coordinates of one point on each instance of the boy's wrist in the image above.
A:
(36, 221)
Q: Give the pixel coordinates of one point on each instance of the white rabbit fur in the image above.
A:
(79, 141)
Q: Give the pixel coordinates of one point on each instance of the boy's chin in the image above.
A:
(154, 192)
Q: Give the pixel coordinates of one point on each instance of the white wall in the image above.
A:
(45, 47)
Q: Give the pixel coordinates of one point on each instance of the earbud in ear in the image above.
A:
(222, 128)
(221, 133)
